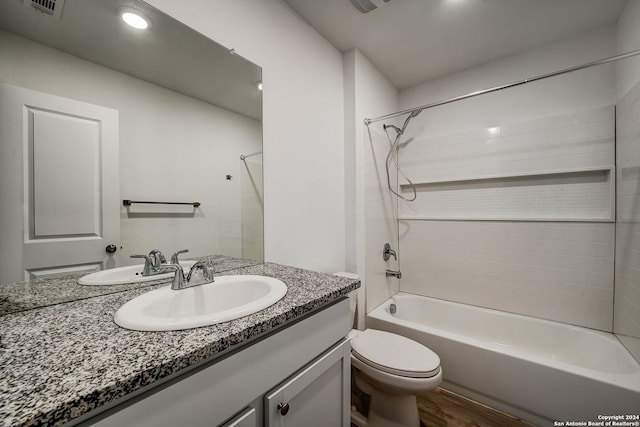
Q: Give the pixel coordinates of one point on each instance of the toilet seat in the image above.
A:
(395, 354)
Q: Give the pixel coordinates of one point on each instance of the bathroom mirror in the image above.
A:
(188, 129)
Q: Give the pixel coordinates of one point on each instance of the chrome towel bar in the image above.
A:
(127, 202)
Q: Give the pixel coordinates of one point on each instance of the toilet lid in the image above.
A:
(395, 354)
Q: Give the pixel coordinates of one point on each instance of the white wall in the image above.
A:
(172, 148)
(252, 208)
(627, 298)
(368, 95)
(303, 120)
(628, 39)
(491, 230)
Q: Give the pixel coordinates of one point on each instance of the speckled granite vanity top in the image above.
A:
(22, 296)
(61, 361)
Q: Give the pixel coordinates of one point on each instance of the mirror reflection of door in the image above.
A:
(59, 185)
(188, 109)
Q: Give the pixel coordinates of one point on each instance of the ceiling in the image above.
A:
(170, 54)
(413, 41)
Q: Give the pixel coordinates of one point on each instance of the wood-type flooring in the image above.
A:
(442, 408)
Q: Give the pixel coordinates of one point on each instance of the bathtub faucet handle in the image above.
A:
(387, 252)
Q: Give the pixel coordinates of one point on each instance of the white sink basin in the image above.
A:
(228, 298)
(123, 275)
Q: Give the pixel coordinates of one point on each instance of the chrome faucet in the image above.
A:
(387, 253)
(178, 278)
(152, 263)
(201, 273)
(157, 258)
(394, 273)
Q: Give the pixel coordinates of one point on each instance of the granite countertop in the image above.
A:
(23, 296)
(61, 361)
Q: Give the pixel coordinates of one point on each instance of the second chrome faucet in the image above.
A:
(155, 262)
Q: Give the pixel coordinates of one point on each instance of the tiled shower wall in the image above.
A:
(627, 298)
(516, 191)
(557, 271)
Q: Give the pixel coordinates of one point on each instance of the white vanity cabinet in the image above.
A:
(314, 397)
(305, 366)
(246, 418)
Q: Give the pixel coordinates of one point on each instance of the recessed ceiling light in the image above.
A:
(134, 18)
(494, 131)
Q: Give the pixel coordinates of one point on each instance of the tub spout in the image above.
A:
(394, 273)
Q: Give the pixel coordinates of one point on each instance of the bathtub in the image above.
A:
(538, 370)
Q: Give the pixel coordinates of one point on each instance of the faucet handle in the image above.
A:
(157, 258)
(174, 257)
(200, 273)
(148, 264)
(178, 280)
(387, 252)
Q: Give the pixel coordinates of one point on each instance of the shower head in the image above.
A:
(414, 114)
(400, 131)
(406, 122)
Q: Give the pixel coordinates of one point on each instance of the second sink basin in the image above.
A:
(228, 298)
(123, 275)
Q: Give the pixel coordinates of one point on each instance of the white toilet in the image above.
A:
(393, 370)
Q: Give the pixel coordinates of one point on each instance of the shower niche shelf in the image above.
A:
(580, 195)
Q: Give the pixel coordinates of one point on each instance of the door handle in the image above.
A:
(111, 249)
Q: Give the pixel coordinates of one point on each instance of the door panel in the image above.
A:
(52, 136)
(59, 184)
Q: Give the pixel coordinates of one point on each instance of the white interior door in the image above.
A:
(59, 185)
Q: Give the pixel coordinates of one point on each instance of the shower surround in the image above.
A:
(516, 206)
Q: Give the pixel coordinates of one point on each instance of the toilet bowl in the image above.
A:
(392, 370)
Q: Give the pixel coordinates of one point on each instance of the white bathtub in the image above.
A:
(537, 370)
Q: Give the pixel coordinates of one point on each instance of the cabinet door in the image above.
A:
(316, 396)
(246, 418)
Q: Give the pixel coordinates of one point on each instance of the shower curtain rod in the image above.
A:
(505, 86)
(242, 156)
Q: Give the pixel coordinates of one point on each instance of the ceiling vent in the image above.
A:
(365, 6)
(52, 8)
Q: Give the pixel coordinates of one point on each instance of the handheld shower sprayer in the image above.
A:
(393, 154)
(397, 129)
(414, 114)
(404, 126)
